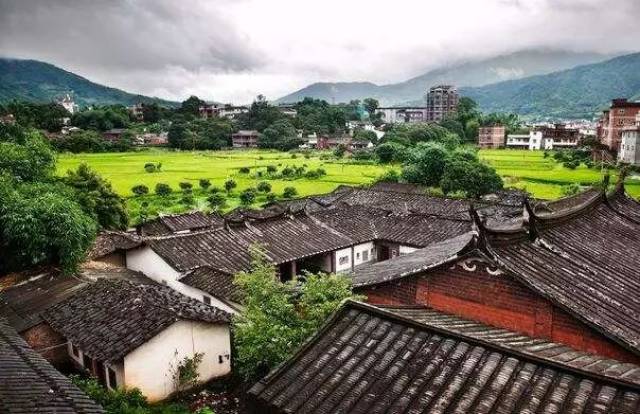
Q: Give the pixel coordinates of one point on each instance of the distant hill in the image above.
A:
(36, 81)
(574, 93)
(471, 74)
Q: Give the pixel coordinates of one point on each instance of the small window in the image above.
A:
(358, 255)
(75, 351)
(365, 255)
(207, 300)
(343, 260)
(113, 382)
(164, 282)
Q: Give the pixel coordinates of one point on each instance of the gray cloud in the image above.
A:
(231, 50)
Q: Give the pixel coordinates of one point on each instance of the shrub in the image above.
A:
(215, 190)
(271, 197)
(217, 201)
(140, 189)
(244, 170)
(230, 184)
(163, 190)
(187, 199)
(363, 155)
(247, 196)
(570, 189)
(390, 176)
(186, 372)
(150, 167)
(263, 187)
(321, 171)
(287, 171)
(204, 183)
(272, 169)
(311, 174)
(289, 192)
(184, 185)
(572, 165)
(294, 156)
(340, 151)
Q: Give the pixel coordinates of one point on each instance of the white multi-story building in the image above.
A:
(629, 151)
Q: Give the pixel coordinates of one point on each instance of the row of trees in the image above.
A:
(44, 218)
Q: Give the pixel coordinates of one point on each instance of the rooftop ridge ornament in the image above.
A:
(479, 223)
(531, 220)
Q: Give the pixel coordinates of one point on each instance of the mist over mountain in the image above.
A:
(467, 74)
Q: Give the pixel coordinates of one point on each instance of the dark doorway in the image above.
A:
(384, 253)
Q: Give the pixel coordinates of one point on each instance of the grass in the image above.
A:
(523, 169)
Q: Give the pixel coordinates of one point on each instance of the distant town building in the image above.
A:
(208, 111)
(245, 139)
(137, 111)
(442, 100)
(545, 138)
(402, 114)
(8, 119)
(152, 139)
(231, 111)
(491, 136)
(67, 103)
(113, 134)
(622, 113)
(629, 151)
(288, 109)
(331, 142)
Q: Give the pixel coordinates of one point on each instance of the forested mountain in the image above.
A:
(476, 73)
(575, 93)
(42, 82)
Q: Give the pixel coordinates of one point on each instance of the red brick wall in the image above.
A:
(44, 340)
(499, 301)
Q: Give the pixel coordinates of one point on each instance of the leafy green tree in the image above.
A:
(185, 185)
(191, 106)
(140, 189)
(97, 197)
(390, 152)
(371, 104)
(26, 156)
(39, 224)
(217, 201)
(102, 118)
(81, 141)
(289, 192)
(230, 184)
(263, 187)
(474, 178)
(281, 135)
(260, 116)
(247, 196)
(426, 165)
(364, 135)
(163, 189)
(277, 317)
(204, 184)
(179, 136)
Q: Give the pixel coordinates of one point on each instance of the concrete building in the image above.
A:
(137, 111)
(622, 113)
(245, 139)
(402, 114)
(208, 111)
(545, 138)
(491, 136)
(67, 103)
(629, 151)
(442, 100)
(231, 111)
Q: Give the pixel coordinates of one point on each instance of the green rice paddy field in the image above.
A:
(529, 170)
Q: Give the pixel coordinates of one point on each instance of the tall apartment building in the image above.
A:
(442, 100)
(629, 151)
(622, 113)
(491, 136)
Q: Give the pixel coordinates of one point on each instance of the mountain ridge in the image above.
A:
(37, 81)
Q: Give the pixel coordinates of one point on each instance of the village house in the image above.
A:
(621, 113)
(29, 384)
(415, 359)
(545, 138)
(491, 137)
(551, 275)
(129, 334)
(442, 101)
(137, 111)
(67, 103)
(402, 114)
(114, 134)
(231, 111)
(208, 111)
(245, 139)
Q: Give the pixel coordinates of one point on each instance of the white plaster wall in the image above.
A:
(199, 295)
(153, 266)
(406, 250)
(151, 366)
(342, 253)
(358, 253)
(119, 370)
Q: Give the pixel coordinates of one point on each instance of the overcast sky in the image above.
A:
(232, 50)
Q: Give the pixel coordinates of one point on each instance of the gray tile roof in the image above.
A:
(368, 360)
(192, 221)
(108, 319)
(419, 261)
(214, 282)
(29, 384)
